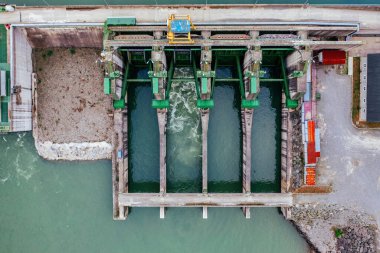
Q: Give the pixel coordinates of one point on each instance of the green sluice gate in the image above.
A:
(191, 57)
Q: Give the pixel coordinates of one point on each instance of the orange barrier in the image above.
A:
(310, 176)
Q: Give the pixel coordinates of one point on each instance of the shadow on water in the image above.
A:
(184, 139)
(266, 140)
(224, 141)
(143, 139)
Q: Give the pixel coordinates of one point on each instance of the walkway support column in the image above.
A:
(246, 116)
(158, 75)
(162, 121)
(205, 119)
(204, 103)
(120, 162)
(250, 88)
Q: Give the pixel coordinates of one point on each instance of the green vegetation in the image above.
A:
(72, 50)
(49, 53)
(338, 232)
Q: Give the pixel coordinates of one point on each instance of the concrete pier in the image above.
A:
(286, 148)
(204, 119)
(162, 121)
(120, 162)
(246, 116)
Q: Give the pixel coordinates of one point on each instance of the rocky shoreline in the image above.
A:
(74, 151)
(326, 227)
(297, 150)
(334, 228)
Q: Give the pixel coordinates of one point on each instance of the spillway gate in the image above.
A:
(249, 49)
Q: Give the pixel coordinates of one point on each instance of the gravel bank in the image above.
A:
(72, 117)
(71, 104)
(319, 223)
(297, 150)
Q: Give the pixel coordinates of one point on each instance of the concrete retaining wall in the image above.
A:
(66, 151)
(74, 151)
(65, 37)
(21, 113)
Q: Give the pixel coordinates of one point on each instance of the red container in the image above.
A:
(331, 57)
(311, 131)
(311, 156)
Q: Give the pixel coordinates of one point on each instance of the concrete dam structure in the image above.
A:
(77, 76)
(247, 46)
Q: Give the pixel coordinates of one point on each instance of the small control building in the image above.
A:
(373, 88)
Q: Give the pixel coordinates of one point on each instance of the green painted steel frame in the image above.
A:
(240, 79)
(121, 21)
(196, 80)
(170, 78)
(285, 79)
(289, 102)
(214, 79)
(120, 104)
(240, 74)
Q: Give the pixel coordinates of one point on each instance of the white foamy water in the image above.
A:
(184, 130)
(20, 163)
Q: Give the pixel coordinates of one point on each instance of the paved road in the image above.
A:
(350, 158)
(368, 18)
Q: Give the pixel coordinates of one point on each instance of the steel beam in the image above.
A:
(228, 43)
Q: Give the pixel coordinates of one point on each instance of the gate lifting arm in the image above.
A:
(158, 76)
(207, 77)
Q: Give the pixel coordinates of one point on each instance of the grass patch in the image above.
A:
(72, 50)
(49, 53)
(338, 232)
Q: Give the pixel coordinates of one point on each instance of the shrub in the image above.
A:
(338, 232)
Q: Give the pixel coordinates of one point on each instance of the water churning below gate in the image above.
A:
(67, 206)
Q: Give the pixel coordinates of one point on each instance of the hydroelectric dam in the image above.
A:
(257, 47)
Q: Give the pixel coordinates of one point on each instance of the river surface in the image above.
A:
(48, 206)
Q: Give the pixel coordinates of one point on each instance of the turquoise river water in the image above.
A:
(50, 206)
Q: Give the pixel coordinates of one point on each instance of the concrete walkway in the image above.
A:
(367, 17)
(350, 158)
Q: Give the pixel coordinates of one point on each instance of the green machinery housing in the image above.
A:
(160, 62)
(4, 82)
